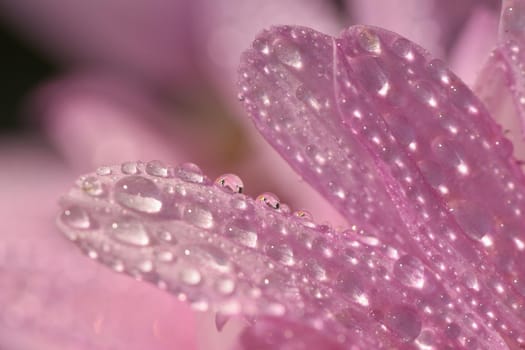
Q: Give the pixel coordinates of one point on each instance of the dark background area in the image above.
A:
(22, 69)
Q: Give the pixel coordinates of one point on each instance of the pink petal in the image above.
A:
(501, 84)
(287, 87)
(456, 183)
(49, 296)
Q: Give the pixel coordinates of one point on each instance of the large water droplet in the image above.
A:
(475, 222)
(230, 182)
(288, 54)
(190, 172)
(410, 271)
(138, 193)
(280, 252)
(92, 186)
(404, 321)
(130, 232)
(157, 168)
(198, 216)
(190, 276)
(225, 285)
(270, 199)
(129, 168)
(76, 217)
(351, 284)
(242, 232)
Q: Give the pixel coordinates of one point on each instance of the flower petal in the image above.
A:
(455, 182)
(223, 251)
(501, 83)
(287, 87)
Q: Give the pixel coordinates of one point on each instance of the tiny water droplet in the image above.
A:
(261, 45)
(166, 236)
(190, 172)
(104, 171)
(130, 232)
(230, 183)
(145, 266)
(198, 216)
(306, 95)
(242, 232)
(129, 168)
(190, 276)
(269, 199)
(92, 186)
(410, 271)
(288, 54)
(404, 321)
(280, 252)
(165, 256)
(76, 217)
(157, 168)
(138, 193)
(225, 286)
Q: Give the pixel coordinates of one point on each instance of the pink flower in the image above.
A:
(425, 178)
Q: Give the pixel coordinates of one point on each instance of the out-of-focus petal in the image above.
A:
(501, 83)
(52, 299)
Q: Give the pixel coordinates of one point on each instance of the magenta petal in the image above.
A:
(287, 87)
(448, 168)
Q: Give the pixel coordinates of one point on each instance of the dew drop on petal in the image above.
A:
(157, 168)
(138, 193)
(269, 199)
(230, 183)
(104, 171)
(198, 216)
(76, 218)
(225, 286)
(190, 172)
(129, 168)
(410, 271)
(280, 252)
(92, 186)
(369, 41)
(288, 53)
(190, 276)
(129, 232)
(473, 221)
(403, 321)
(242, 233)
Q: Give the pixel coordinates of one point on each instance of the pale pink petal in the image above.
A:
(52, 299)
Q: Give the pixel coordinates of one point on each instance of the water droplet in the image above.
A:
(351, 284)
(198, 216)
(280, 252)
(410, 271)
(475, 222)
(92, 186)
(288, 53)
(138, 193)
(261, 45)
(145, 266)
(230, 182)
(190, 276)
(369, 41)
(270, 199)
(130, 232)
(104, 171)
(225, 286)
(76, 218)
(208, 255)
(157, 168)
(242, 232)
(165, 256)
(306, 95)
(190, 172)
(129, 168)
(403, 48)
(404, 321)
(166, 236)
